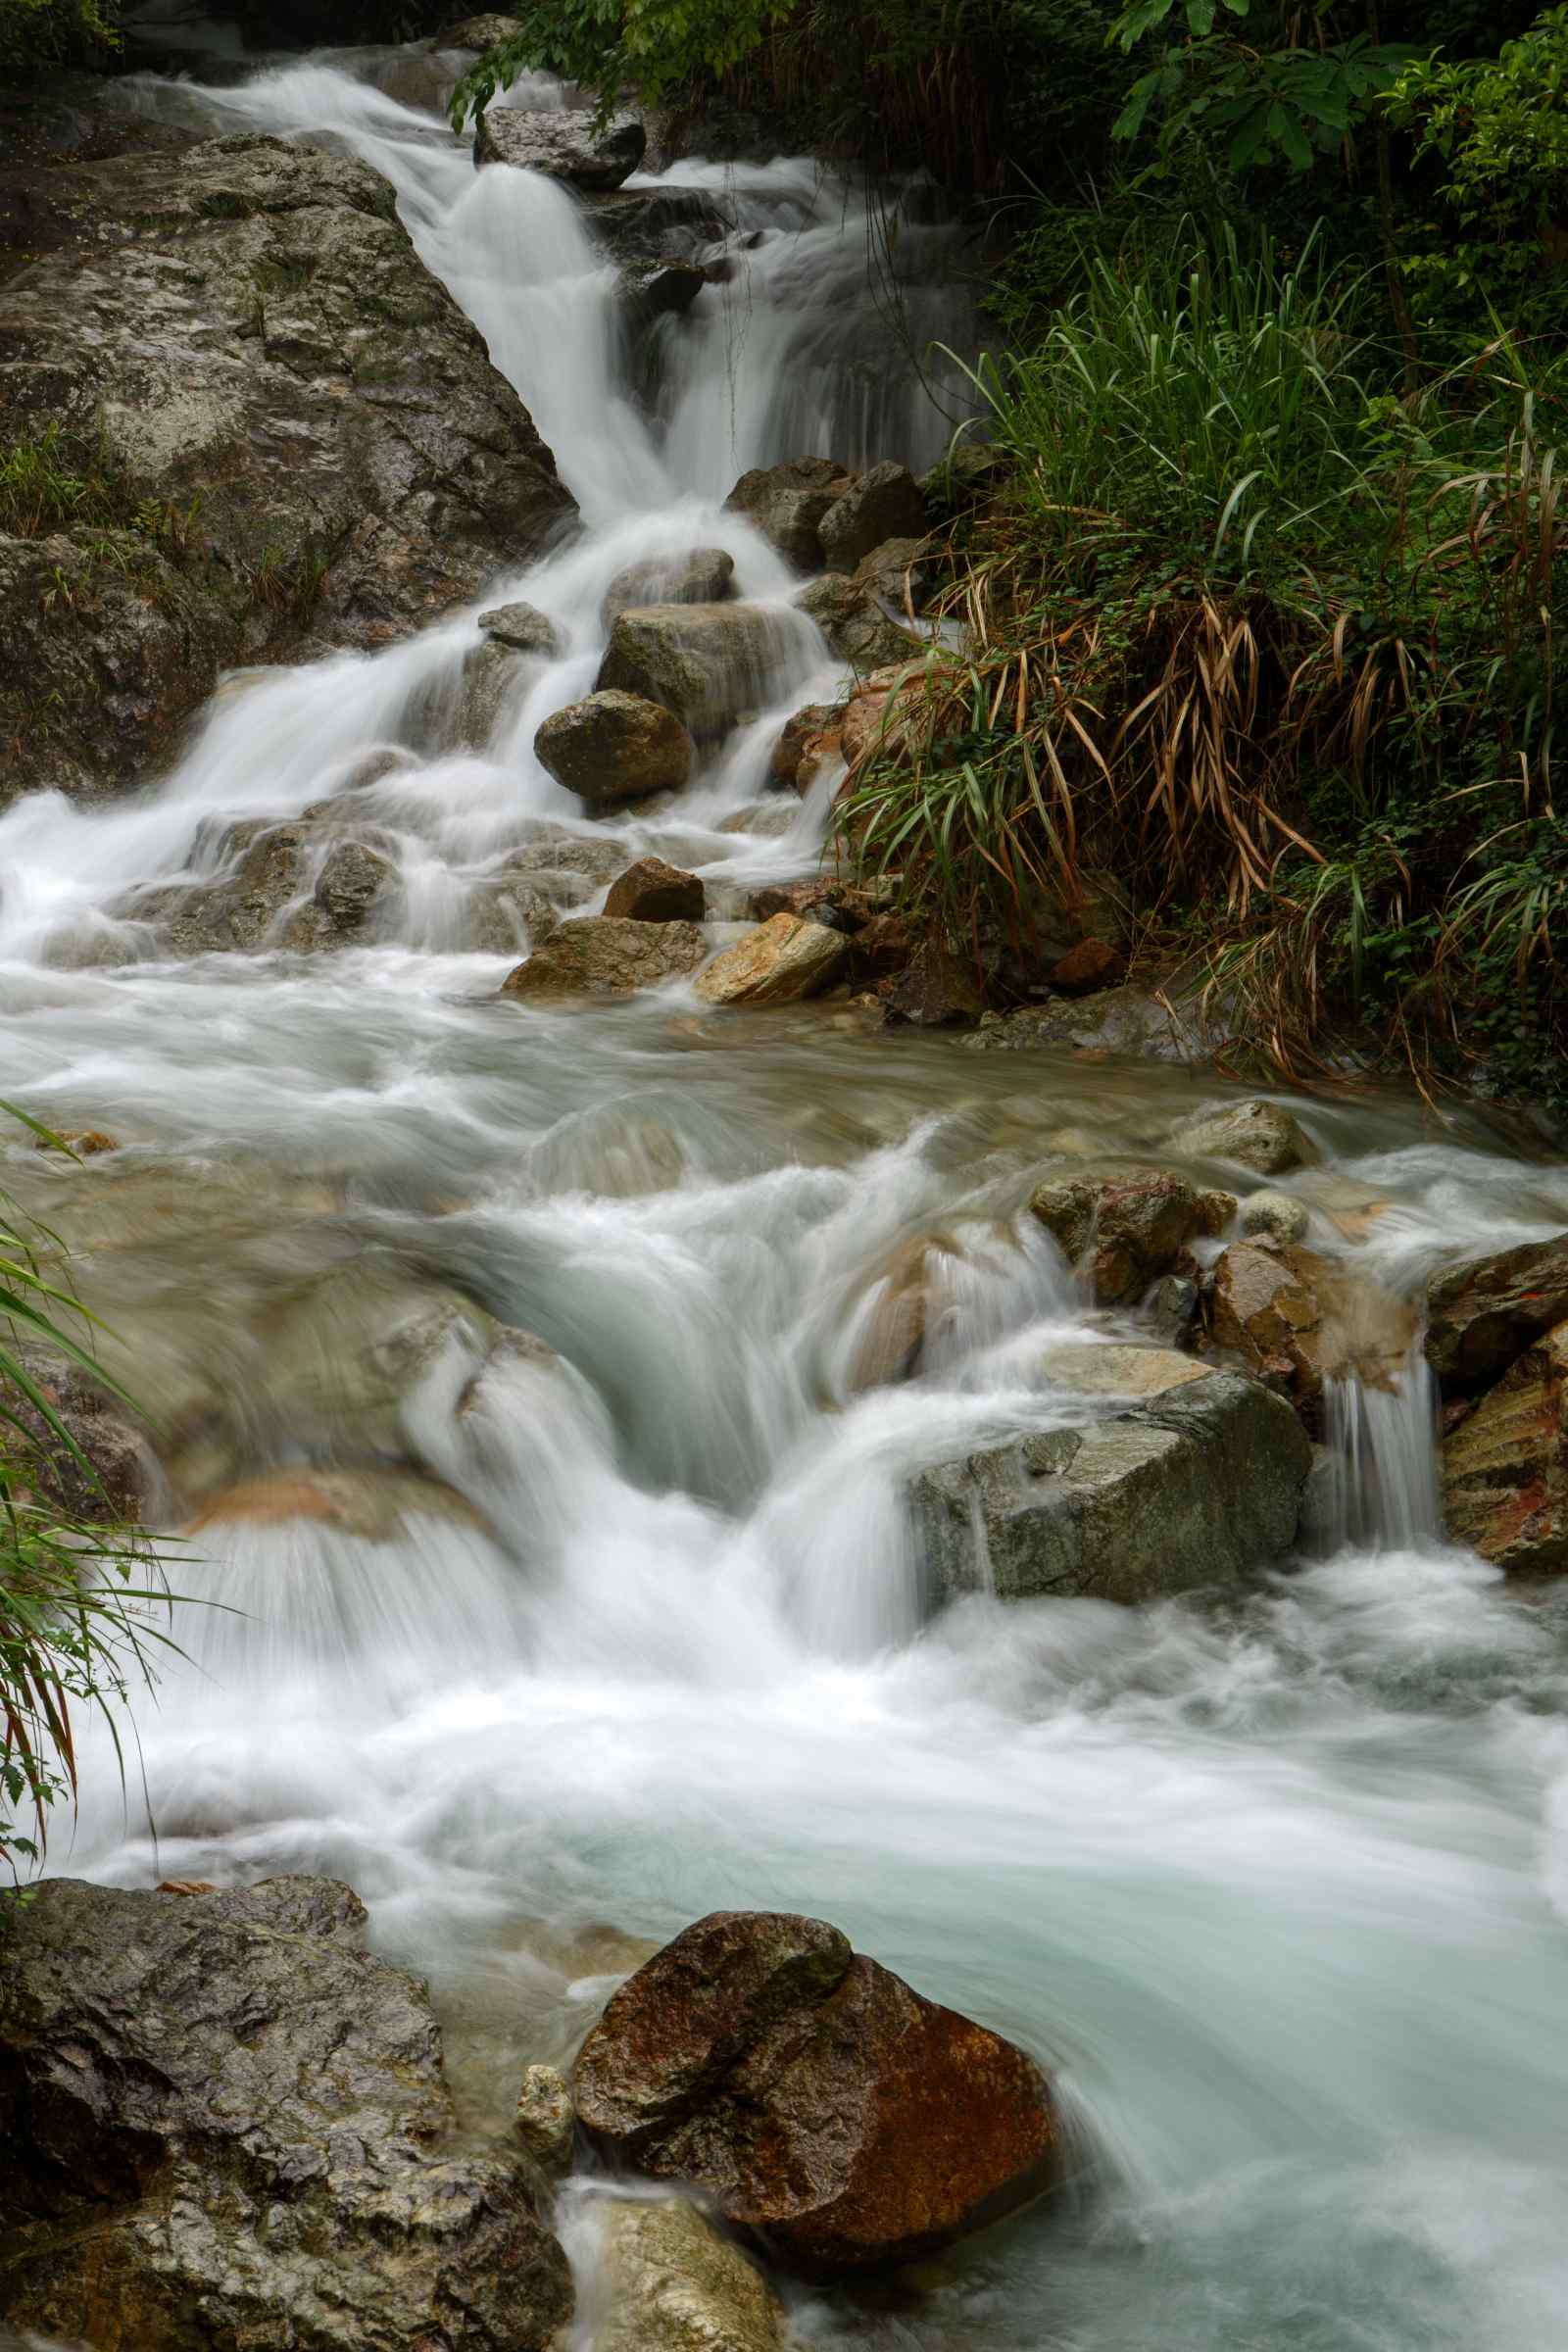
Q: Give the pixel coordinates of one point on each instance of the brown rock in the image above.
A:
(1505, 1465)
(936, 990)
(1298, 1319)
(905, 1296)
(784, 959)
(814, 897)
(1482, 1315)
(186, 1887)
(615, 746)
(884, 504)
(787, 503)
(1093, 963)
(816, 2099)
(652, 892)
(808, 739)
(1124, 1232)
(883, 947)
(605, 955)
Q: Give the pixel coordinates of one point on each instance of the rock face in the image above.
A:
(225, 2123)
(616, 746)
(884, 504)
(1298, 1319)
(1482, 1315)
(1197, 1481)
(784, 959)
(304, 435)
(711, 664)
(565, 145)
(815, 2098)
(652, 892)
(676, 2286)
(607, 956)
(1505, 1466)
(1125, 1230)
(1257, 1135)
(703, 576)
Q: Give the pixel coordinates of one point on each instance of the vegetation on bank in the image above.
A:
(75, 1578)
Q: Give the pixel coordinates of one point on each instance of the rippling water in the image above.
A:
(1274, 1880)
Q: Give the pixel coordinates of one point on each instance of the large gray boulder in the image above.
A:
(299, 438)
(225, 2123)
(711, 664)
(703, 575)
(788, 503)
(566, 144)
(1176, 1477)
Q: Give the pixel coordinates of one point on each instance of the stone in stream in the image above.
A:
(652, 892)
(1505, 1465)
(615, 746)
(1123, 1231)
(935, 990)
(1298, 1319)
(1196, 1478)
(522, 627)
(856, 625)
(1257, 1135)
(245, 333)
(609, 955)
(785, 959)
(225, 2123)
(807, 738)
(817, 2099)
(787, 503)
(703, 575)
(675, 2284)
(884, 504)
(567, 144)
(1275, 1216)
(905, 1299)
(546, 2119)
(711, 664)
(1483, 1314)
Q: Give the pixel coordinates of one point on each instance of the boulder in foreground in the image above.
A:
(1196, 1480)
(816, 2099)
(225, 2123)
(607, 956)
(1505, 1466)
(677, 2285)
(784, 959)
(613, 746)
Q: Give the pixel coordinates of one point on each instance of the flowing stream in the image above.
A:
(572, 1652)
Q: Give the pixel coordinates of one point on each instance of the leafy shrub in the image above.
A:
(56, 32)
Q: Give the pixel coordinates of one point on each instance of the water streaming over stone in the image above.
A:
(521, 1646)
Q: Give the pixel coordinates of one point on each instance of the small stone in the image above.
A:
(1277, 1216)
(784, 959)
(546, 2119)
(186, 1887)
(352, 881)
(712, 665)
(652, 892)
(806, 740)
(676, 2286)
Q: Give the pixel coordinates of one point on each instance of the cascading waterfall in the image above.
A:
(518, 1642)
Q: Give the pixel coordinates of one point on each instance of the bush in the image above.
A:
(57, 32)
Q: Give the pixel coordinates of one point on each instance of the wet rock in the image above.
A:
(884, 949)
(571, 867)
(493, 675)
(1173, 1309)
(1116, 1021)
(653, 231)
(711, 664)
(605, 955)
(225, 2123)
(652, 892)
(615, 745)
(307, 438)
(788, 503)
(674, 2284)
(884, 504)
(786, 958)
(81, 1143)
(808, 737)
(1275, 1217)
(1198, 1481)
(1482, 1315)
(546, 2119)
(856, 624)
(1298, 1319)
(524, 628)
(479, 32)
(104, 1481)
(1257, 1135)
(935, 990)
(1090, 965)
(905, 1300)
(885, 714)
(352, 882)
(816, 2099)
(1123, 1231)
(765, 820)
(1505, 1465)
(376, 1502)
(703, 576)
(566, 144)
(505, 915)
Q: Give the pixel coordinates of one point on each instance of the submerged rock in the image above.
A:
(674, 2284)
(1275, 1216)
(1257, 1135)
(522, 627)
(565, 143)
(786, 958)
(652, 892)
(1505, 1465)
(1481, 1316)
(616, 746)
(607, 956)
(816, 2099)
(703, 576)
(1196, 1481)
(225, 2123)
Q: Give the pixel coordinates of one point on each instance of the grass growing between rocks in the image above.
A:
(1269, 640)
(48, 484)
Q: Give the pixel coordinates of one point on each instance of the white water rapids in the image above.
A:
(1278, 1886)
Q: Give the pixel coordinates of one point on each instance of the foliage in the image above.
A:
(75, 1588)
(56, 32)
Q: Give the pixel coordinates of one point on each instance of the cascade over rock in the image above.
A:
(564, 144)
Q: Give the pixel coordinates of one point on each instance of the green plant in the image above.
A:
(56, 32)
